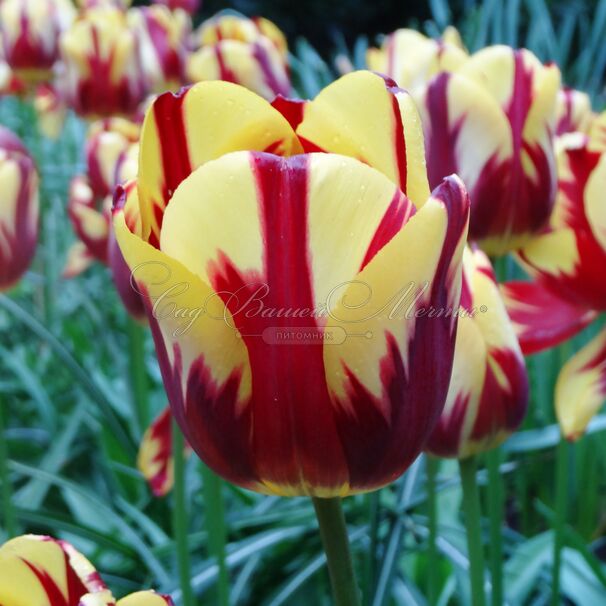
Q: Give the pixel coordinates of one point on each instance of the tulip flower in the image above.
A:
(111, 152)
(18, 209)
(155, 460)
(249, 52)
(492, 122)
(488, 393)
(30, 31)
(189, 6)
(567, 261)
(163, 43)
(89, 217)
(236, 27)
(47, 572)
(103, 75)
(573, 111)
(262, 397)
(107, 148)
(412, 59)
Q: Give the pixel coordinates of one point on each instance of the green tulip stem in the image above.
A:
(338, 556)
(180, 518)
(433, 578)
(471, 510)
(561, 486)
(495, 509)
(8, 512)
(215, 527)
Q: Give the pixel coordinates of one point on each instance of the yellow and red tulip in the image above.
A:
(18, 209)
(567, 262)
(30, 32)
(330, 239)
(108, 147)
(569, 256)
(492, 122)
(103, 71)
(89, 217)
(189, 6)
(155, 460)
(44, 571)
(163, 43)
(234, 27)
(250, 52)
(488, 393)
(573, 111)
(412, 59)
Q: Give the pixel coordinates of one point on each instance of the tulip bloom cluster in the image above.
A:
(18, 209)
(106, 59)
(42, 570)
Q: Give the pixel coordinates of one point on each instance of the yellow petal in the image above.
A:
(581, 388)
(182, 132)
(79, 259)
(384, 131)
(145, 598)
(595, 203)
(39, 570)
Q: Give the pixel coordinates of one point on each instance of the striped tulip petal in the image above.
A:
(537, 330)
(90, 223)
(146, 598)
(303, 226)
(79, 259)
(107, 149)
(18, 210)
(581, 388)
(597, 133)
(184, 131)
(412, 59)
(257, 65)
(491, 122)
(46, 572)
(141, 598)
(573, 111)
(155, 460)
(384, 132)
(569, 257)
(233, 27)
(488, 393)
